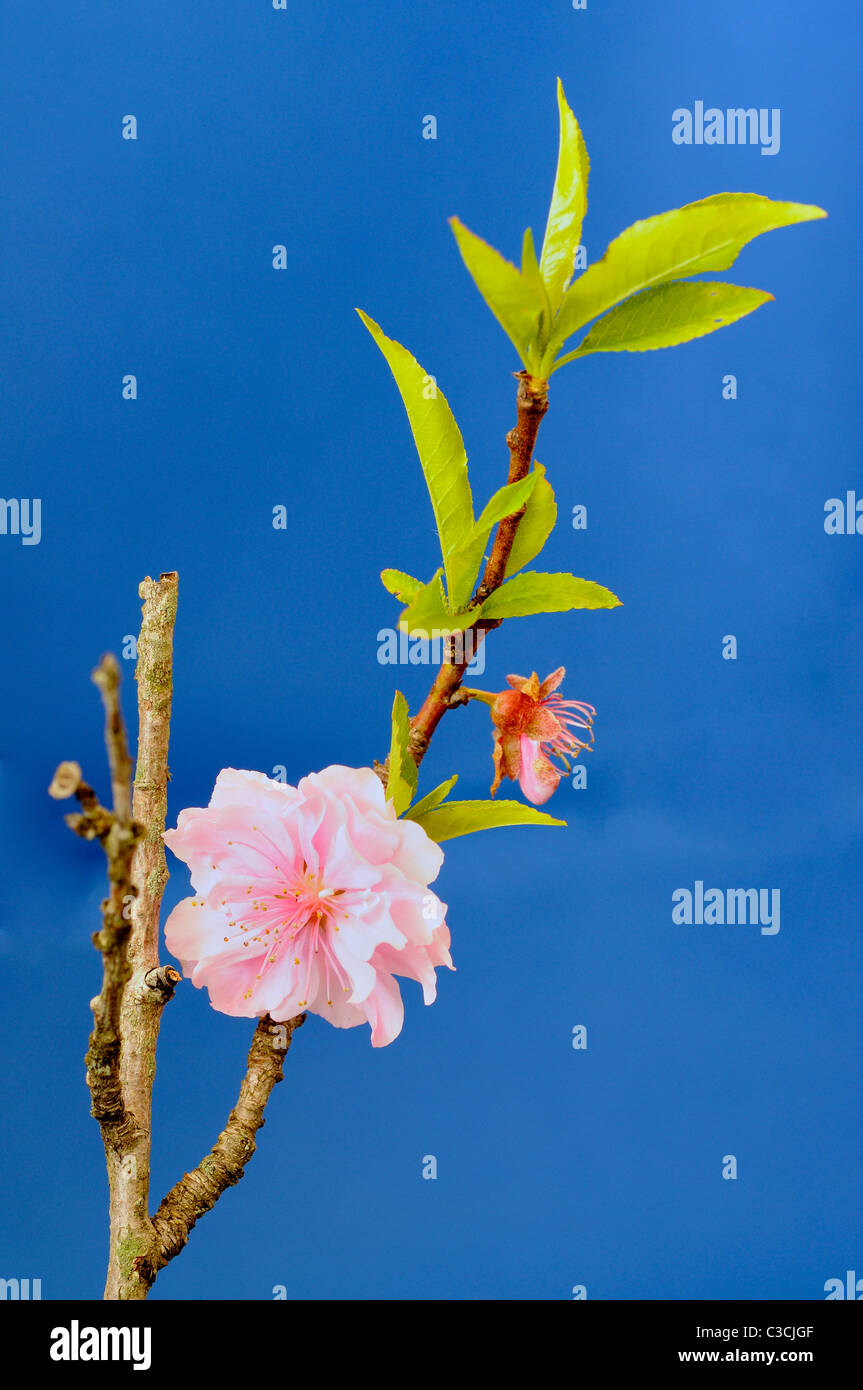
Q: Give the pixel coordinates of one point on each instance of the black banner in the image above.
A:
(257, 1340)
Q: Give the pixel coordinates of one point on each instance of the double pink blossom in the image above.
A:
(312, 897)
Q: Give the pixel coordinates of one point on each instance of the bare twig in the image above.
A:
(154, 674)
(197, 1192)
(117, 835)
(121, 1061)
(131, 1261)
(107, 677)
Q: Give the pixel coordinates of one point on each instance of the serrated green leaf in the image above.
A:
(402, 770)
(703, 236)
(568, 205)
(466, 817)
(535, 526)
(546, 593)
(402, 585)
(438, 442)
(511, 298)
(668, 315)
(429, 612)
(466, 561)
(431, 799)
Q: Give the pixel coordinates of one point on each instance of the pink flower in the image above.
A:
(531, 726)
(310, 897)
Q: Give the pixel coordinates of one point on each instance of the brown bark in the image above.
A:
(121, 1060)
(117, 834)
(197, 1192)
(131, 1264)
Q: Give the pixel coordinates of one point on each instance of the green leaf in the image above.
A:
(703, 236)
(402, 585)
(467, 560)
(532, 274)
(402, 770)
(466, 817)
(427, 605)
(546, 593)
(506, 501)
(431, 799)
(429, 613)
(568, 205)
(511, 298)
(668, 315)
(438, 441)
(535, 526)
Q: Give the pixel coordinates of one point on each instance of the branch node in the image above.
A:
(458, 697)
(65, 782)
(161, 982)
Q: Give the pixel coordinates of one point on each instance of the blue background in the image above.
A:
(257, 388)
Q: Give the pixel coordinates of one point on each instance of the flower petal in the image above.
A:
(537, 777)
(551, 682)
(385, 1011)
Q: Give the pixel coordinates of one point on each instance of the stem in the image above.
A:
(107, 677)
(197, 1192)
(104, 1053)
(121, 1060)
(132, 1261)
(465, 694)
(117, 835)
(531, 403)
(154, 675)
